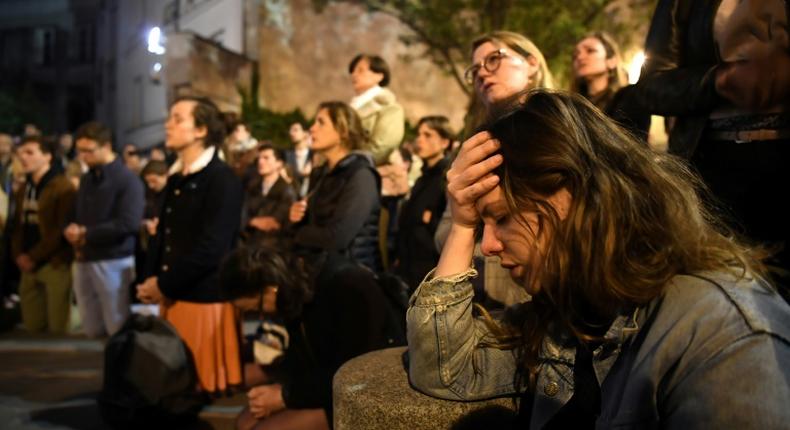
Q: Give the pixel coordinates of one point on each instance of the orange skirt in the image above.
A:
(211, 333)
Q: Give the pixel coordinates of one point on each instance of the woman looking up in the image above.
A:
(198, 225)
(376, 105)
(598, 70)
(340, 214)
(420, 214)
(504, 64)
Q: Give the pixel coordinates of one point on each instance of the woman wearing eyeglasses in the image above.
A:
(504, 64)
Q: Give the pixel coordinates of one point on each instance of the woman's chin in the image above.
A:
(519, 275)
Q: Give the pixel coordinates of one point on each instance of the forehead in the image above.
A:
(30, 146)
(267, 152)
(425, 128)
(84, 141)
(590, 42)
(322, 113)
(295, 127)
(183, 108)
(362, 64)
(492, 202)
(483, 50)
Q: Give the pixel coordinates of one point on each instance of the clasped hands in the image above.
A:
(148, 292)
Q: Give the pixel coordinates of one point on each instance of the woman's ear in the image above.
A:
(561, 202)
(201, 132)
(611, 64)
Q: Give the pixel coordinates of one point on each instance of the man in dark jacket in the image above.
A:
(38, 248)
(268, 199)
(108, 214)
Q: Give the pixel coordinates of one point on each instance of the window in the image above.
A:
(44, 46)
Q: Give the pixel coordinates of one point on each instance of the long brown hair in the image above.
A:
(344, 118)
(636, 219)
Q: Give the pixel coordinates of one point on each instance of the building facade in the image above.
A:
(141, 90)
(48, 62)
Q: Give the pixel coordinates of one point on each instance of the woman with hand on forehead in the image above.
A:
(646, 311)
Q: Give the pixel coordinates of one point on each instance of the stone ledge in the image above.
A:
(372, 391)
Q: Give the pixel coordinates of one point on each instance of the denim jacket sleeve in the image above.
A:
(445, 358)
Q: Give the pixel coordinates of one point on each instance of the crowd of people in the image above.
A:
(641, 288)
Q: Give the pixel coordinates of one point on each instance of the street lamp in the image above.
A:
(156, 47)
(155, 40)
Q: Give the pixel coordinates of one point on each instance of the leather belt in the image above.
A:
(748, 135)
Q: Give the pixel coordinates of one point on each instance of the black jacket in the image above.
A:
(110, 203)
(198, 226)
(416, 251)
(275, 204)
(343, 212)
(678, 77)
(346, 318)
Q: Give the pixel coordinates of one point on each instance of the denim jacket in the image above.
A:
(710, 352)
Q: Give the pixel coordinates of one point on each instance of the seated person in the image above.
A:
(646, 311)
(332, 312)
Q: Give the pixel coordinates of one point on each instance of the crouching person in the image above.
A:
(333, 310)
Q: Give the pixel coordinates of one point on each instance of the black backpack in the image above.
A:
(149, 377)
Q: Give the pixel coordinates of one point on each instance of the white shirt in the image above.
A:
(360, 100)
(197, 165)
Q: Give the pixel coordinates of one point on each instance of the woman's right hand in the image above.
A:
(470, 177)
(298, 209)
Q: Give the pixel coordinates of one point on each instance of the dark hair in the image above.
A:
(438, 123)
(46, 144)
(405, 153)
(154, 167)
(95, 131)
(377, 65)
(249, 269)
(207, 114)
(279, 155)
(636, 218)
(348, 125)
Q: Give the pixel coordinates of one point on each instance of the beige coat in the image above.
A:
(383, 118)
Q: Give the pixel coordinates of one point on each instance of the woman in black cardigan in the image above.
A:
(421, 213)
(198, 225)
(332, 313)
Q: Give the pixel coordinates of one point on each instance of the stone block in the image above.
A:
(372, 391)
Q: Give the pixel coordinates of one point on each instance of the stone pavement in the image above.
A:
(51, 382)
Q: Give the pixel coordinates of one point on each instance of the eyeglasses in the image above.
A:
(491, 63)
